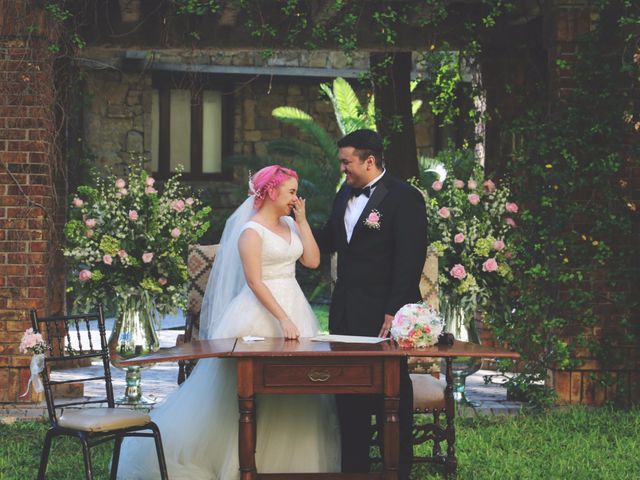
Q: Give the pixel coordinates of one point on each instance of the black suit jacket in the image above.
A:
(379, 269)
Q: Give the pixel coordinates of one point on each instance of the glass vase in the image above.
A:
(463, 324)
(133, 335)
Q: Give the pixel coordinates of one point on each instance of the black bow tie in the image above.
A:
(366, 191)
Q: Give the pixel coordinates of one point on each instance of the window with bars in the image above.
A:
(192, 126)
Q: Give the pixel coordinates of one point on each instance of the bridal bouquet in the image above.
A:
(124, 237)
(416, 325)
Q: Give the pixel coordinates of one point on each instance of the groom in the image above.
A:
(378, 228)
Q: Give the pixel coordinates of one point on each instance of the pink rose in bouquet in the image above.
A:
(458, 272)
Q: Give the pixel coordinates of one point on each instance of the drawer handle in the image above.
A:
(319, 375)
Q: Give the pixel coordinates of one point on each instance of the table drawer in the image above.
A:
(320, 375)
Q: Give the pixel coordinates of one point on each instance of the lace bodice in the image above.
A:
(278, 257)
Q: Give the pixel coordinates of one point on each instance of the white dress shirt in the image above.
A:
(355, 206)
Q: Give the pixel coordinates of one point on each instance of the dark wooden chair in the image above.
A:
(78, 337)
(199, 263)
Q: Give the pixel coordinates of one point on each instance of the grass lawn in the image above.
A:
(571, 444)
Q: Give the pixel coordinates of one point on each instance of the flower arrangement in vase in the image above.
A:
(471, 220)
(126, 246)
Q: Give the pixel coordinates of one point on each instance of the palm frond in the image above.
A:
(304, 122)
(346, 100)
(329, 93)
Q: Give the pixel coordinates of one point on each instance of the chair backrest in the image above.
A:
(74, 338)
(429, 279)
(199, 263)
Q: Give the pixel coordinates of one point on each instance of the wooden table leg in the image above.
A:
(247, 424)
(391, 425)
(451, 464)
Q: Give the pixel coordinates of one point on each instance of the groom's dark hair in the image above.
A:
(366, 142)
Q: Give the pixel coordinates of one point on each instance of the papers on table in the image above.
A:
(251, 338)
(347, 339)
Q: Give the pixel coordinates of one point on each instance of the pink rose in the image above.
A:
(373, 217)
(120, 183)
(175, 233)
(458, 183)
(149, 190)
(122, 254)
(458, 272)
(90, 222)
(89, 233)
(437, 185)
(511, 207)
(508, 255)
(498, 245)
(77, 202)
(511, 222)
(150, 181)
(459, 238)
(189, 201)
(178, 205)
(84, 275)
(490, 265)
(147, 257)
(474, 198)
(472, 184)
(489, 186)
(123, 192)
(107, 259)
(133, 215)
(444, 212)
(162, 281)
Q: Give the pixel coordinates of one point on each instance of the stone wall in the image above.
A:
(117, 114)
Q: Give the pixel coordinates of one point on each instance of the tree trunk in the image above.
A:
(391, 78)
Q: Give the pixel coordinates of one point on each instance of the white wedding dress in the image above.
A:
(199, 422)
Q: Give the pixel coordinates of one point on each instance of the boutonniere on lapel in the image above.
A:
(373, 219)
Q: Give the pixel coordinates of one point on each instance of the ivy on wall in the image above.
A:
(576, 174)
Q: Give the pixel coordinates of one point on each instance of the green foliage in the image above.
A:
(197, 7)
(349, 113)
(577, 247)
(444, 71)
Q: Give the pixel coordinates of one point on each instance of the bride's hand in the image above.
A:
(289, 329)
(299, 210)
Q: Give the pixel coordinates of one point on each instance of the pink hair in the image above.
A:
(266, 182)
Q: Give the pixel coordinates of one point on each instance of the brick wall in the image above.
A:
(27, 195)
(617, 379)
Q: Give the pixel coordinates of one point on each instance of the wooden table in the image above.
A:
(277, 366)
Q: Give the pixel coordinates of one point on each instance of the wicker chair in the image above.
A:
(73, 338)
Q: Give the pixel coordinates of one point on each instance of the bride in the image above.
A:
(252, 290)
